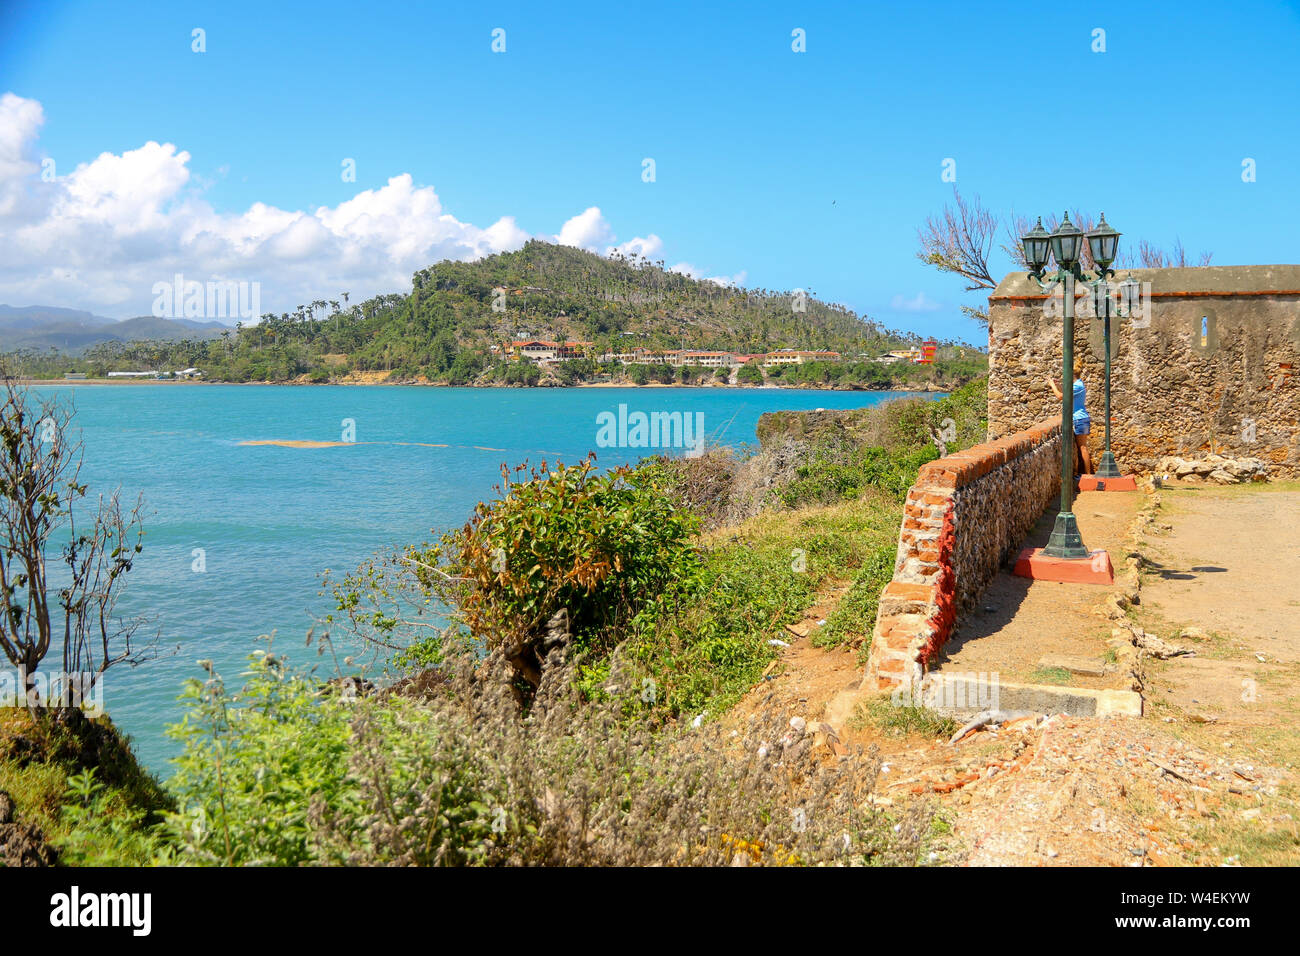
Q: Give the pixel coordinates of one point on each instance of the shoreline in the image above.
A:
(929, 388)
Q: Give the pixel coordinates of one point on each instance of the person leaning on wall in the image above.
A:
(1082, 423)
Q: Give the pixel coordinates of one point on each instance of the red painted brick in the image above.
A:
(909, 592)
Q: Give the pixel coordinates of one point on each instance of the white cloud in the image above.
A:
(587, 230)
(647, 248)
(686, 269)
(99, 237)
(920, 303)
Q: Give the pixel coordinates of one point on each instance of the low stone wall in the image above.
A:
(964, 517)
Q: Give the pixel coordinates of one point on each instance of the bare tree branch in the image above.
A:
(73, 602)
(960, 241)
(1152, 257)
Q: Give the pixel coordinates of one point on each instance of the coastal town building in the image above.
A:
(540, 350)
(797, 357)
(711, 359)
(716, 359)
(677, 358)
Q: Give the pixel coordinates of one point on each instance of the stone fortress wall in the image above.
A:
(1206, 362)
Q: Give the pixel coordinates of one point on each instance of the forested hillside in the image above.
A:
(446, 328)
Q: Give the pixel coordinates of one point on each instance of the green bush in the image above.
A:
(834, 472)
(103, 829)
(852, 621)
(521, 373)
(572, 371)
(253, 763)
(76, 779)
(465, 778)
(598, 547)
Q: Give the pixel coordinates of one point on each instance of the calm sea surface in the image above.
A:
(269, 519)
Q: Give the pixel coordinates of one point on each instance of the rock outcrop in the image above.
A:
(1216, 468)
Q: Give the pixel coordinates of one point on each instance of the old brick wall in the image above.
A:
(966, 514)
(1233, 391)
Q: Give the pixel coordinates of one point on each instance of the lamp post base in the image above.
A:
(1094, 568)
(1098, 483)
(1106, 468)
(1066, 542)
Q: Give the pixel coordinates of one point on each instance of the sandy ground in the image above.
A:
(1228, 564)
(1231, 563)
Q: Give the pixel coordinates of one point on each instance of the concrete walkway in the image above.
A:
(1021, 624)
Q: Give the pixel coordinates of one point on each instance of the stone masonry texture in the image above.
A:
(964, 517)
(1210, 366)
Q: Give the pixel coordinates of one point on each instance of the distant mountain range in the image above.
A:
(72, 331)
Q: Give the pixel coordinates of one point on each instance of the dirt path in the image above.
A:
(1229, 566)
(1207, 775)
(1231, 563)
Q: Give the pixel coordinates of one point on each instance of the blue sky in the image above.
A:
(786, 169)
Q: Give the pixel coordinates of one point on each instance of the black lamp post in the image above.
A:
(1065, 245)
(1103, 243)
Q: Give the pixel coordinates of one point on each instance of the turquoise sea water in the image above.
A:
(269, 519)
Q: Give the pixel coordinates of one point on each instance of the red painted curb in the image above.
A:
(1097, 569)
(1093, 483)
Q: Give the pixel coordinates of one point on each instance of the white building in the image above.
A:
(539, 350)
(796, 357)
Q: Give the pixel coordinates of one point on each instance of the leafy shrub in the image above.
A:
(104, 829)
(572, 371)
(521, 373)
(465, 777)
(253, 762)
(76, 780)
(831, 473)
(596, 547)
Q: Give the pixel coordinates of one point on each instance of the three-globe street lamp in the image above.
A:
(1065, 246)
(1103, 243)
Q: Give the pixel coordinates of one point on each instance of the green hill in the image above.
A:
(445, 330)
